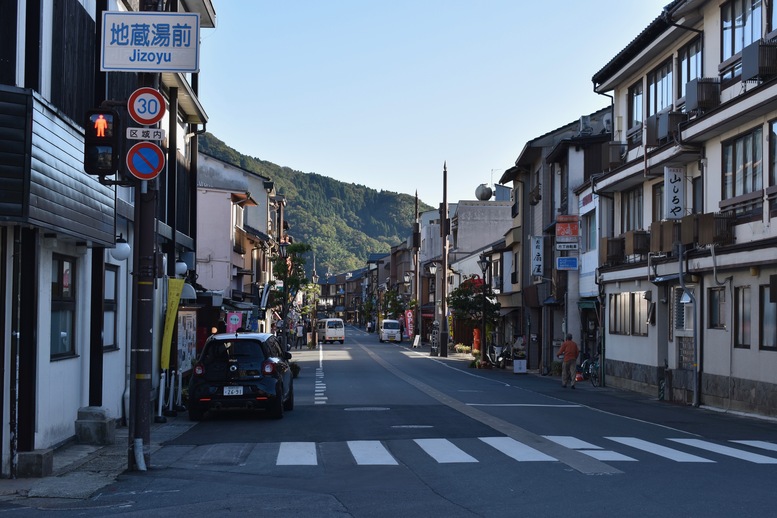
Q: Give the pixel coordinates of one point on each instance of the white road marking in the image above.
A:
(444, 451)
(727, 450)
(297, 454)
(759, 444)
(516, 450)
(657, 449)
(371, 453)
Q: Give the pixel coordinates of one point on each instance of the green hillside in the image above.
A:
(342, 222)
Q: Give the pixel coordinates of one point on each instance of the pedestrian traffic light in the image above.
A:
(102, 142)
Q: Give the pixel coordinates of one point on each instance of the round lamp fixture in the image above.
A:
(122, 250)
(181, 268)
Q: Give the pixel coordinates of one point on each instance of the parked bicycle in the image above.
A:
(590, 369)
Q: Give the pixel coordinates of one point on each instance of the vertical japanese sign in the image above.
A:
(409, 323)
(150, 42)
(536, 256)
(674, 192)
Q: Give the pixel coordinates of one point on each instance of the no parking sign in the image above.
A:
(145, 160)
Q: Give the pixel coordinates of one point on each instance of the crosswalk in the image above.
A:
(443, 451)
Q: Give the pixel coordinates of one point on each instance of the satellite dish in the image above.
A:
(483, 192)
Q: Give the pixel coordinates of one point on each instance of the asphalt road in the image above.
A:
(386, 430)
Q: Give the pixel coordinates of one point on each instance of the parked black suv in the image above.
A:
(241, 370)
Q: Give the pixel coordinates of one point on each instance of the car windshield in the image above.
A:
(390, 325)
(242, 350)
(336, 324)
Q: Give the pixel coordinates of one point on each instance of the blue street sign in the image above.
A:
(566, 263)
(145, 160)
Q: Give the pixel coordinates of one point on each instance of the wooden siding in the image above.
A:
(15, 107)
(62, 197)
(72, 59)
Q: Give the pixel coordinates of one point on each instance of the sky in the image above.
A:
(382, 93)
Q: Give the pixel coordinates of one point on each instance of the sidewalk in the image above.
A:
(80, 469)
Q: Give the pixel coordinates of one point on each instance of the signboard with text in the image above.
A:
(536, 255)
(674, 192)
(567, 228)
(147, 41)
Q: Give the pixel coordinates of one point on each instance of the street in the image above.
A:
(386, 430)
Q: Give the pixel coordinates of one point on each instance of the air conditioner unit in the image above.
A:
(656, 243)
(716, 228)
(667, 124)
(612, 154)
(702, 94)
(759, 60)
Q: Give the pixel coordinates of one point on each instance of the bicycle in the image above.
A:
(593, 372)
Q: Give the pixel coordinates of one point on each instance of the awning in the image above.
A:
(551, 301)
(586, 304)
(506, 311)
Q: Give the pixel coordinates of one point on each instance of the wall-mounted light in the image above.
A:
(433, 268)
(122, 250)
(181, 268)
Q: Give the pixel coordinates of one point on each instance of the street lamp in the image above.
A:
(483, 263)
(433, 271)
(283, 251)
(314, 324)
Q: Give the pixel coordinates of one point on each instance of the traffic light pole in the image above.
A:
(143, 344)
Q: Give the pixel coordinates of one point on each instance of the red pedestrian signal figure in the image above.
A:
(100, 125)
(102, 142)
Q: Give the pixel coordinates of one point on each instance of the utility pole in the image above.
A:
(144, 278)
(445, 230)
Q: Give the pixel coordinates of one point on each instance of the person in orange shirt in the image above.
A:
(568, 353)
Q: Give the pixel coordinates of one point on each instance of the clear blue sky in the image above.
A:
(382, 92)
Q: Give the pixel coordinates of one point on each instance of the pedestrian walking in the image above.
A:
(300, 335)
(568, 353)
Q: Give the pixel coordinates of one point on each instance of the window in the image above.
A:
(716, 307)
(740, 26)
(110, 306)
(619, 311)
(635, 105)
(743, 171)
(768, 338)
(63, 306)
(690, 64)
(629, 313)
(631, 209)
(742, 320)
(589, 231)
(773, 161)
(658, 201)
(639, 314)
(659, 85)
(634, 129)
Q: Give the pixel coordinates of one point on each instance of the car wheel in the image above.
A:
(276, 407)
(196, 412)
(289, 403)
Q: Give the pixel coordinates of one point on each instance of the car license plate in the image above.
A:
(233, 391)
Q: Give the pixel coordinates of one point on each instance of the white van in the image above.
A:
(331, 330)
(390, 331)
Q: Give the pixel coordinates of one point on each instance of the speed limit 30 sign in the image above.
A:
(146, 106)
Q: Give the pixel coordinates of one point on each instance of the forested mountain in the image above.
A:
(342, 222)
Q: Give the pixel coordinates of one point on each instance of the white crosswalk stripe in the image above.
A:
(371, 453)
(297, 454)
(444, 451)
(727, 450)
(759, 444)
(657, 449)
(516, 450)
(597, 452)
